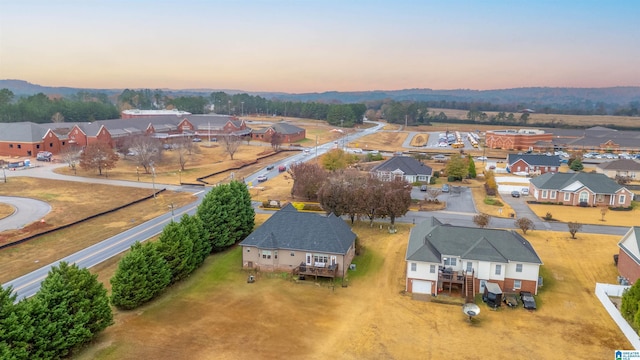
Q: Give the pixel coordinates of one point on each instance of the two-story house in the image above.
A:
(441, 257)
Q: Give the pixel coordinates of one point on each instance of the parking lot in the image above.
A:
(458, 198)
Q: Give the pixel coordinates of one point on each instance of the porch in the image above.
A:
(456, 282)
(329, 271)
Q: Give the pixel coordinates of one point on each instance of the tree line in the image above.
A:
(72, 306)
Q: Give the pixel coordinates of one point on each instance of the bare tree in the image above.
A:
(70, 156)
(307, 180)
(230, 143)
(574, 227)
(433, 193)
(396, 200)
(525, 224)
(184, 147)
(98, 156)
(482, 220)
(145, 150)
(603, 211)
(276, 141)
(57, 118)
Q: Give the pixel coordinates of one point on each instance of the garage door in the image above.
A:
(421, 287)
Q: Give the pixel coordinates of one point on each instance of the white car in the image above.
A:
(261, 178)
(481, 158)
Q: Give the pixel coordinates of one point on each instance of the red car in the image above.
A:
(282, 168)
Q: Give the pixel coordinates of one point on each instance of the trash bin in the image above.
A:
(512, 215)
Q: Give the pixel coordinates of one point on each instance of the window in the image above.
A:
(498, 269)
(10, 146)
(469, 266)
(621, 199)
(275, 254)
(518, 267)
(266, 254)
(553, 194)
(553, 169)
(517, 284)
(38, 146)
(19, 146)
(413, 266)
(544, 194)
(50, 144)
(567, 196)
(584, 197)
(450, 261)
(432, 269)
(320, 259)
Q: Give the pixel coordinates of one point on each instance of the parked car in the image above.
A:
(527, 300)
(44, 156)
(196, 140)
(481, 158)
(423, 188)
(515, 194)
(524, 191)
(445, 188)
(270, 167)
(439, 157)
(282, 168)
(262, 178)
(511, 300)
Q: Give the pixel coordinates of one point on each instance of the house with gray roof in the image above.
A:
(446, 258)
(290, 133)
(620, 168)
(533, 164)
(580, 189)
(301, 242)
(629, 255)
(403, 167)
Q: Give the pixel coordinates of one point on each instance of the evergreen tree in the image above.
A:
(142, 274)
(70, 309)
(629, 309)
(472, 167)
(194, 229)
(214, 212)
(245, 211)
(177, 249)
(16, 327)
(576, 165)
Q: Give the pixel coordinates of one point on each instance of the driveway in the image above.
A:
(522, 209)
(458, 199)
(26, 211)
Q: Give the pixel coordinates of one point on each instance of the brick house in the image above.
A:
(533, 164)
(523, 139)
(289, 132)
(629, 255)
(624, 168)
(442, 256)
(300, 242)
(579, 189)
(403, 167)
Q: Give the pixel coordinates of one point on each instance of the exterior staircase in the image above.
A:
(469, 287)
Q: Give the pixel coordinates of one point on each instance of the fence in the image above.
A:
(603, 291)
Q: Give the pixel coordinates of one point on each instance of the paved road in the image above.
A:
(26, 211)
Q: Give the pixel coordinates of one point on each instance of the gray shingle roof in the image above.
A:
(535, 159)
(631, 252)
(289, 229)
(597, 183)
(408, 165)
(22, 132)
(282, 128)
(431, 239)
(623, 164)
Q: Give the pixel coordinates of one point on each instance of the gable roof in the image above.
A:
(598, 183)
(535, 159)
(22, 132)
(430, 240)
(406, 164)
(289, 229)
(630, 243)
(282, 128)
(623, 164)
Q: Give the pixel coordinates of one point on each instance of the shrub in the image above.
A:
(436, 174)
(489, 191)
(432, 181)
(312, 207)
(548, 216)
(492, 201)
(451, 178)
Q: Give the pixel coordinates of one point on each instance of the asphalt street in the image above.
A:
(459, 212)
(26, 211)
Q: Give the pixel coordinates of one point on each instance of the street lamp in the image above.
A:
(180, 175)
(242, 109)
(153, 179)
(229, 107)
(4, 174)
(138, 172)
(171, 206)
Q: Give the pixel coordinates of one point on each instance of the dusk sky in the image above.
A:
(301, 46)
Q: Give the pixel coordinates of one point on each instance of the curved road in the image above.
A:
(28, 285)
(26, 211)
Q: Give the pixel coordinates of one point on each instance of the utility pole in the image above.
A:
(153, 179)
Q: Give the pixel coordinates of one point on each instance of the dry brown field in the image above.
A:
(215, 314)
(420, 139)
(390, 141)
(576, 120)
(588, 215)
(6, 210)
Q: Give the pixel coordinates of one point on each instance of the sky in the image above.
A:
(301, 46)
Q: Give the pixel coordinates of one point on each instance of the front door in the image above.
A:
(309, 257)
(482, 285)
(334, 260)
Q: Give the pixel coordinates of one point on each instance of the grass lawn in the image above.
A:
(420, 139)
(390, 141)
(6, 210)
(588, 215)
(215, 314)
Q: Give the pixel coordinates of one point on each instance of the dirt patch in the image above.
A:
(6, 210)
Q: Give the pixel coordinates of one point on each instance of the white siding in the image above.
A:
(484, 270)
(493, 275)
(422, 271)
(529, 271)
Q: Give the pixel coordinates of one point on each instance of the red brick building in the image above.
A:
(290, 133)
(629, 255)
(523, 139)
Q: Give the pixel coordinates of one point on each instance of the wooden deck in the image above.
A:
(330, 271)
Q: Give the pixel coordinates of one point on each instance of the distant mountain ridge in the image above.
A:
(526, 96)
